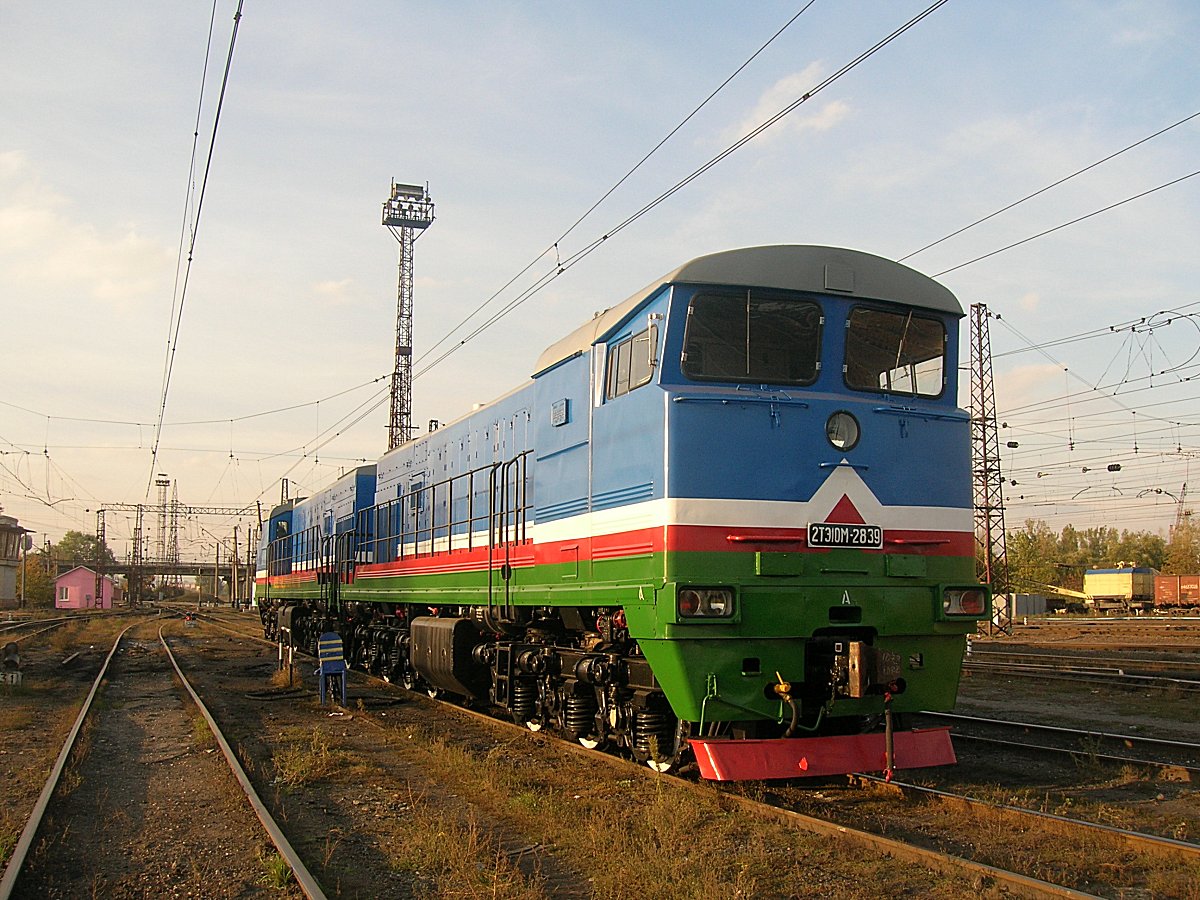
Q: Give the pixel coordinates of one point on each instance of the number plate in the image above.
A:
(834, 534)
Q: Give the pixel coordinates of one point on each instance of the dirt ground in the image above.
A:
(1150, 712)
(150, 808)
(393, 797)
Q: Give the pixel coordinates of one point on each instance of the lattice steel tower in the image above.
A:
(162, 482)
(406, 212)
(986, 477)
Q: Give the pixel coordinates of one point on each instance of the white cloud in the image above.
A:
(48, 250)
(778, 96)
(1019, 387)
(335, 292)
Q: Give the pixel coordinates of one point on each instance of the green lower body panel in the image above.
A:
(787, 609)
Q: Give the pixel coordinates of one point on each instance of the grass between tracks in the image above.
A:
(578, 825)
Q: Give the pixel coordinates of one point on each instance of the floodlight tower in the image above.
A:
(407, 211)
(162, 482)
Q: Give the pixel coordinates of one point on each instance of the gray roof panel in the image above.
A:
(791, 267)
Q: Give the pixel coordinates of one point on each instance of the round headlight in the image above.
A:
(842, 430)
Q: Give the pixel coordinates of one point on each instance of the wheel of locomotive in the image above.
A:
(409, 678)
(383, 664)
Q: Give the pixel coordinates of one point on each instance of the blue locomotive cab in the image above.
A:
(275, 551)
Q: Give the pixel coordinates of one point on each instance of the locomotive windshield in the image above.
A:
(752, 336)
(894, 352)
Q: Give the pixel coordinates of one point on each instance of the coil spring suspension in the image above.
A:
(654, 734)
(579, 715)
(379, 653)
(523, 699)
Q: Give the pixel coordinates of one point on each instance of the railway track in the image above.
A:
(1027, 819)
(934, 847)
(1058, 669)
(923, 845)
(1183, 665)
(1122, 749)
(135, 743)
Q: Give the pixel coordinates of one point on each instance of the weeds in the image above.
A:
(297, 764)
(303, 761)
(202, 736)
(8, 840)
(276, 872)
(332, 839)
(443, 856)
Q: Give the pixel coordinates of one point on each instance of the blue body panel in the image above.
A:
(779, 431)
(672, 437)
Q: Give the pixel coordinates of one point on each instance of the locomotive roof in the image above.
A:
(792, 267)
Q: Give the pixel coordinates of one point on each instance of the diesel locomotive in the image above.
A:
(727, 520)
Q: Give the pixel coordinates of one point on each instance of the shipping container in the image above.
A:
(1177, 590)
(1111, 588)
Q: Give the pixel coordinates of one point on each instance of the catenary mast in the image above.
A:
(406, 212)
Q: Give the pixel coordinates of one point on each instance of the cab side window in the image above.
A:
(629, 363)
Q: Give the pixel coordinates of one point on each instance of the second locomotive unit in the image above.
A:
(729, 517)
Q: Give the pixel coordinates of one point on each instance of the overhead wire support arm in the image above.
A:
(177, 509)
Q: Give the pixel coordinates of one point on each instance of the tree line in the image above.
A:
(1037, 555)
(43, 565)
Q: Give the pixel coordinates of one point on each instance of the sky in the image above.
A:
(519, 117)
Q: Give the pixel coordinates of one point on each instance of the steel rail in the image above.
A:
(1135, 840)
(1174, 666)
(1075, 751)
(1181, 619)
(1081, 674)
(16, 862)
(943, 863)
(1164, 743)
(32, 634)
(304, 878)
(1015, 883)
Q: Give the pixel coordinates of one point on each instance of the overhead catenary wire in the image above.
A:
(1060, 227)
(221, 421)
(173, 342)
(562, 265)
(608, 193)
(1049, 187)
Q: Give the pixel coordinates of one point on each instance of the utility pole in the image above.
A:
(407, 211)
(173, 542)
(986, 477)
(251, 566)
(26, 543)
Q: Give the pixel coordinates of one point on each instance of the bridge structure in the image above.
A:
(237, 568)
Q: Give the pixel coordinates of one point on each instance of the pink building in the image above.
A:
(77, 590)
